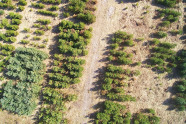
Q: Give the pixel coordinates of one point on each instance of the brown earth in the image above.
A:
(150, 89)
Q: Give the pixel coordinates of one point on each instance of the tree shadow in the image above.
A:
(126, 1)
(92, 116)
(99, 79)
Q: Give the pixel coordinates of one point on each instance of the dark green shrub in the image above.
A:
(124, 60)
(12, 27)
(10, 39)
(129, 43)
(16, 21)
(10, 33)
(168, 3)
(146, 118)
(21, 8)
(15, 16)
(112, 113)
(87, 17)
(51, 1)
(22, 2)
(76, 6)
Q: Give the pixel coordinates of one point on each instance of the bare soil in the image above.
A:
(150, 89)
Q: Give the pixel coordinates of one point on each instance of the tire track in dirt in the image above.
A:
(107, 22)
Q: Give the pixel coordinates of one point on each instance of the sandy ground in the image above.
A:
(149, 89)
(29, 18)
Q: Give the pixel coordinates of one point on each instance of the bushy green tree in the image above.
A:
(19, 98)
(26, 65)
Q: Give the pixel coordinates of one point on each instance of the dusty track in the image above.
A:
(111, 16)
(107, 22)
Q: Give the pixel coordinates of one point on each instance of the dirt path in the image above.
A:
(107, 22)
(112, 16)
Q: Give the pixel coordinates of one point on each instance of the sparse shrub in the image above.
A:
(42, 46)
(165, 23)
(44, 21)
(54, 8)
(21, 8)
(5, 22)
(2, 12)
(176, 32)
(10, 33)
(51, 1)
(37, 26)
(36, 38)
(168, 3)
(48, 13)
(22, 2)
(15, 16)
(161, 34)
(39, 32)
(66, 14)
(155, 41)
(124, 60)
(38, 5)
(25, 41)
(129, 43)
(12, 27)
(16, 21)
(45, 40)
(140, 39)
(27, 30)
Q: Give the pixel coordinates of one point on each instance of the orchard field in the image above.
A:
(92, 61)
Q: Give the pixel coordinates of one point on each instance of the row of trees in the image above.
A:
(115, 81)
(167, 3)
(54, 106)
(84, 9)
(7, 4)
(163, 58)
(117, 54)
(5, 51)
(67, 73)
(66, 70)
(180, 86)
(11, 29)
(73, 38)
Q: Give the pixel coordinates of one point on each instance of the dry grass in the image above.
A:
(150, 89)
